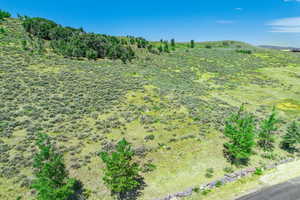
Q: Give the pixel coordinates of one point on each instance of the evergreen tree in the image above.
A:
(52, 180)
(24, 45)
(291, 138)
(166, 47)
(4, 14)
(2, 30)
(160, 49)
(192, 43)
(266, 136)
(173, 43)
(239, 129)
(121, 173)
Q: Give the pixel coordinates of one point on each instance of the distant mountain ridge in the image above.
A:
(278, 47)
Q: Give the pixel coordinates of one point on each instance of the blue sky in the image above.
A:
(275, 22)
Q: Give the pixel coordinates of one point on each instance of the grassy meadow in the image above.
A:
(171, 107)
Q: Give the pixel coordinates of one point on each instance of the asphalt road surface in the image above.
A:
(289, 190)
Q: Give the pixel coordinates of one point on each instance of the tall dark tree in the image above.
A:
(160, 48)
(166, 47)
(52, 180)
(4, 14)
(121, 173)
(192, 43)
(291, 137)
(173, 43)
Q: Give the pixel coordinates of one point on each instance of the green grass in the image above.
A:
(229, 191)
(252, 183)
(181, 98)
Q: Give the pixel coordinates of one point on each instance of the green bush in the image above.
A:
(4, 14)
(209, 173)
(196, 189)
(149, 167)
(239, 129)
(91, 54)
(2, 30)
(149, 137)
(52, 180)
(206, 192)
(228, 169)
(258, 171)
(270, 156)
(219, 184)
(244, 51)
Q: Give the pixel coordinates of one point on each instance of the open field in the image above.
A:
(171, 107)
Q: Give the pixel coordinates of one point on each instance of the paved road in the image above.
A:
(289, 190)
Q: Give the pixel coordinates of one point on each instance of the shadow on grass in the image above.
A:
(134, 194)
(235, 161)
(79, 192)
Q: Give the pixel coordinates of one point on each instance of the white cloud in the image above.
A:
(286, 25)
(286, 30)
(240, 9)
(224, 22)
(291, 0)
(292, 21)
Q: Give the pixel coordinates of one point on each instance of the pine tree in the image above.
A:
(239, 128)
(121, 173)
(160, 48)
(166, 47)
(291, 138)
(266, 136)
(192, 43)
(173, 44)
(24, 45)
(4, 14)
(52, 180)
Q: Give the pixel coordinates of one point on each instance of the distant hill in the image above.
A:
(278, 47)
(170, 105)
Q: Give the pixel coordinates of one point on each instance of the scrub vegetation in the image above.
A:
(170, 113)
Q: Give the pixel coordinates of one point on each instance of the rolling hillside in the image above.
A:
(170, 106)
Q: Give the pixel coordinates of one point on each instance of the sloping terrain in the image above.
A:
(171, 107)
